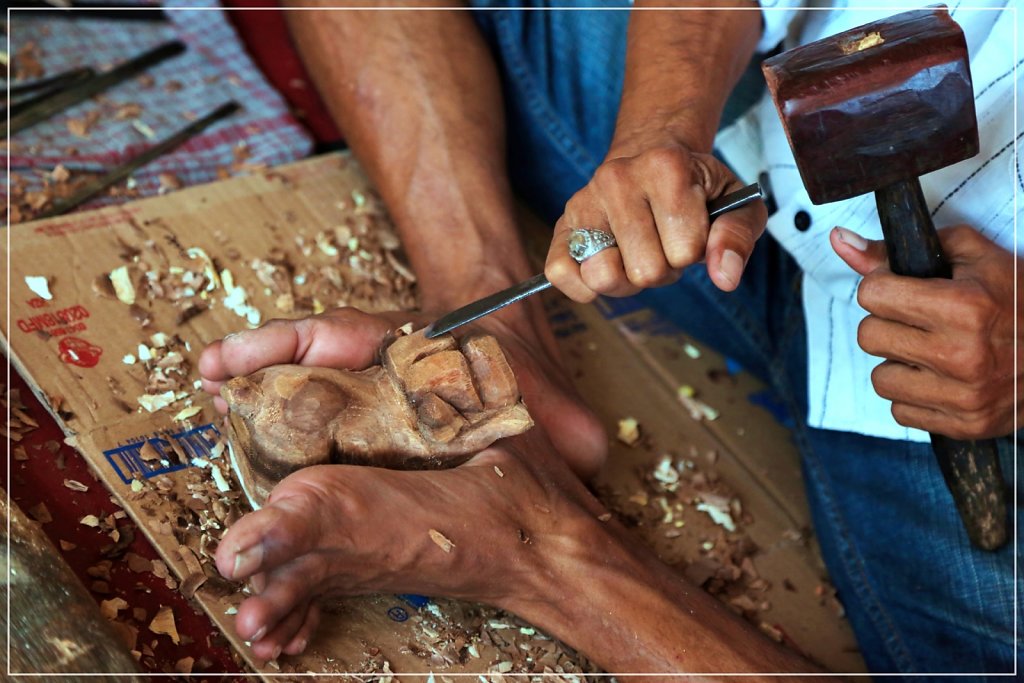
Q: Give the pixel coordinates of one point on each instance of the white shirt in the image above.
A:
(986, 192)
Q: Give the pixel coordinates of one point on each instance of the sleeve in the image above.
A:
(777, 16)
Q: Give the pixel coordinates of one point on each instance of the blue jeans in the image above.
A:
(920, 598)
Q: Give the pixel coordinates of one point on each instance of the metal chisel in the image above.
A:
(583, 243)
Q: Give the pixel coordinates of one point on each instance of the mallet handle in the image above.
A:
(970, 468)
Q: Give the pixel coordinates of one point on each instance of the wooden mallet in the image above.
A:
(870, 110)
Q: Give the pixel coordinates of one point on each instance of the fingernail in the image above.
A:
(852, 238)
(259, 634)
(302, 645)
(247, 561)
(731, 267)
(277, 652)
(233, 337)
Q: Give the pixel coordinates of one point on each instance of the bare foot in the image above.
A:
(349, 530)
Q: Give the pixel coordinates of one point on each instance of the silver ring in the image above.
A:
(585, 242)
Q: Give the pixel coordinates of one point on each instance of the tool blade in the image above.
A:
(487, 305)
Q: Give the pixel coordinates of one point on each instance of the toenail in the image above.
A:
(259, 634)
(247, 561)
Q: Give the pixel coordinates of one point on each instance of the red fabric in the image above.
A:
(40, 479)
(266, 37)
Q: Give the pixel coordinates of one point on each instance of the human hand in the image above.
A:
(348, 338)
(948, 344)
(655, 204)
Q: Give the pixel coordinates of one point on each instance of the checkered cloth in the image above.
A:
(214, 69)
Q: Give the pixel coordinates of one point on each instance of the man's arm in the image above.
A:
(651, 190)
(417, 96)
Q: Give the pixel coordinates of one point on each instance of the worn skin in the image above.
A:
(948, 345)
(418, 98)
(321, 533)
(431, 403)
(653, 185)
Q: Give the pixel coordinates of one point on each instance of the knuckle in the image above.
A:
(612, 172)
(866, 335)
(974, 398)
(880, 381)
(681, 253)
(870, 290)
(901, 415)
(977, 309)
(601, 280)
(670, 161)
(647, 276)
(560, 270)
(973, 362)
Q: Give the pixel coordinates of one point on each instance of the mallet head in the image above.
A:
(884, 102)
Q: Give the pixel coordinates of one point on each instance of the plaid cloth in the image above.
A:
(214, 69)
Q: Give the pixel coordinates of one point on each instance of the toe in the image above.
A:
(268, 538)
(273, 644)
(301, 639)
(287, 587)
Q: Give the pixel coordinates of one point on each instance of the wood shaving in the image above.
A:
(26, 64)
(442, 542)
(39, 285)
(629, 431)
(75, 485)
(40, 513)
(163, 623)
(110, 608)
(80, 127)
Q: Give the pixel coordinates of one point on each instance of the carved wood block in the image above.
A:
(432, 403)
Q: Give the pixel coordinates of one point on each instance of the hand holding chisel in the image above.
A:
(582, 244)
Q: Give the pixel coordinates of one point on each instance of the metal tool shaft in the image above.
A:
(85, 89)
(89, 190)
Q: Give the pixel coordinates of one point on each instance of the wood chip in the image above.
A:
(629, 431)
(129, 634)
(75, 485)
(67, 545)
(159, 569)
(163, 623)
(90, 520)
(138, 563)
(20, 453)
(497, 470)
(184, 665)
(110, 608)
(40, 513)
(441, 540)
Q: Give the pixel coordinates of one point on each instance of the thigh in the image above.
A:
(562, 72)
(919, 596)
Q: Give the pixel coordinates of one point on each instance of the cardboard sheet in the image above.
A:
(72, 349)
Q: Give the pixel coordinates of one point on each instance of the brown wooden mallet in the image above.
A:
(870, 110)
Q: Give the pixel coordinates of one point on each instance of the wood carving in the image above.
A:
(432, 403)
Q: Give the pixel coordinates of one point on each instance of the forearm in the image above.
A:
(680, 68)
(418, 99)
(612, 599)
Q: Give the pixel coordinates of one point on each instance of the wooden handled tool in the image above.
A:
(870, 110)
